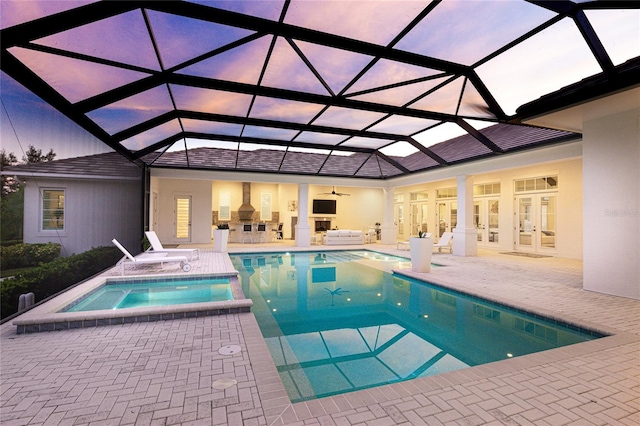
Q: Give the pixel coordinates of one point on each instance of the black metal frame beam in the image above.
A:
(13, 67)
(175, 114)
(23, 35)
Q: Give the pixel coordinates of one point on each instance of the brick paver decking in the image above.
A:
(168, 372)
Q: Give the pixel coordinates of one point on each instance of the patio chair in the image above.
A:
(247, 232)
(148, 258)
(156, 247)
(444, 241)
(262, 232)
(278, 232)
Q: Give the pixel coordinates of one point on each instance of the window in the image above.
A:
(486, 189)
(419, 196)
(265, 206)
(225, 206)
(536, 184)
(52, 209)
(447, 192)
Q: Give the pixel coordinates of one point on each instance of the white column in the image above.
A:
(303, 230)
(611, 204)
(388, 229)
(465, 236)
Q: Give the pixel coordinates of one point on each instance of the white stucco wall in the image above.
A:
(569, 193)
(95, 213)
(287, 192)
(362, 208)
(200, 193)
(611, 157)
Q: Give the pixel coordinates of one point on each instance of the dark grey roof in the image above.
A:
(507, 138)
(110, 165)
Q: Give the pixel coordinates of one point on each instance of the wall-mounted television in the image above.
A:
(324, 206)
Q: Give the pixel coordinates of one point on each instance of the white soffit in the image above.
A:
(571, 118)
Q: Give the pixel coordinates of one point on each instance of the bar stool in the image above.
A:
(247, 231)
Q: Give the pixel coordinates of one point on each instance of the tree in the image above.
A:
(7, 159)
(12, 199)
(34, 155)
(9, 183)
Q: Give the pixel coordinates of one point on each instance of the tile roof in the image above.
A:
(506, 137)
(110, 165)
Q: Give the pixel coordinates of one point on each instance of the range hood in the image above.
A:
(245, 211)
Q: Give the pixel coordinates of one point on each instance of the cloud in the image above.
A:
(14, 12)
(373, 21)
(538, 66)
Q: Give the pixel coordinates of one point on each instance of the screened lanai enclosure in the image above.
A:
(364, 89)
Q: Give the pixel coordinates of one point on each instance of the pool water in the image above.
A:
(337, 322)
(149, 293)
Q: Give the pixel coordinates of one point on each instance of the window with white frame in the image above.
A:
(486, 189)
(544, 183)
(265, 206)
(224, 212)
(52, 209)
(419, 196)
(451, 192)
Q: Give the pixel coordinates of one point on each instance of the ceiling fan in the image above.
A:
(333, 192)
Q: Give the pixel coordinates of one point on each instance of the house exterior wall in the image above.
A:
(361, 209)
(287, 192)
(96, 211)
(611, 204)
(569, 193)
(200, 193)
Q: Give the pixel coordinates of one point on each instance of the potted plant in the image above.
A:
(221, 237)
(421, 248)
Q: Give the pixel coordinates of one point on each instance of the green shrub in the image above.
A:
(53, 277)
(26, 255)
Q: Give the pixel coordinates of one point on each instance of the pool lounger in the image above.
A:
(147, 258)
(157, 247)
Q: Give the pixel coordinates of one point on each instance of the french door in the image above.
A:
(486, 215)
(536, 222)
(399, 216)
(446, 216)
(182, 218)
(418, 218)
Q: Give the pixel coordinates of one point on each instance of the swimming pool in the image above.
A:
(143, 293)
(337, 322)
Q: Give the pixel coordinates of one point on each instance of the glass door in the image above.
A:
(536, 224)
(486, 214)
(399, 216)
(418, 218)
(478, 220)
(493, 221)
(447, 216)
(525, 225)
(183, 218)
(548, 215)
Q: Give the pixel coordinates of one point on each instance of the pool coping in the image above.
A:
(47, 316)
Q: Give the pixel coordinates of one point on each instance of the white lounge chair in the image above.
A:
(148, 258)
(444, 241)
(156, 247)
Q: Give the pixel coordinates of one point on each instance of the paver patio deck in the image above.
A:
(168, 372)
